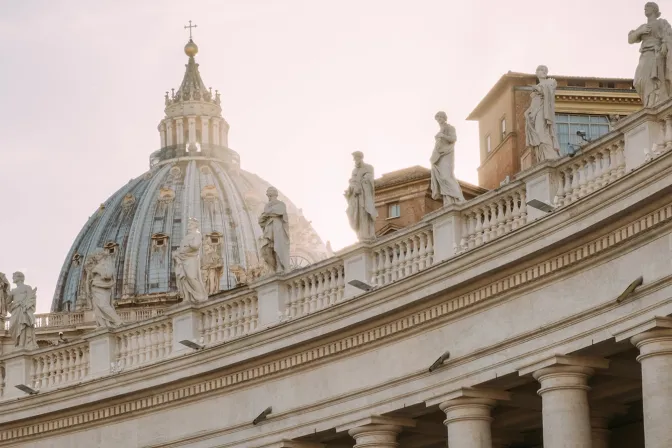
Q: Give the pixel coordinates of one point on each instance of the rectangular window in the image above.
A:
(488, 148)
(393, 211)
(567, 125)
(503, 128)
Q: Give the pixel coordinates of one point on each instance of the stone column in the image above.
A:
(376, 431)
(169, 132)
(162, 134)
(655, 356)
(653, 338)
(224, 133)
(468, 417)
(375, 436)
(468, 422)
(215, 131)
(191, 128)
(564, 396)
(179, 131)
(205, 138)
(599, 431)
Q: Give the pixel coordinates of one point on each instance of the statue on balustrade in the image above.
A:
(187, 260)
(654, 71)
(360, 195)
(274, 222)
(5, 287)
(443, 182)
(540, 118)
(21, 302)
(212, 266)
(100, 278)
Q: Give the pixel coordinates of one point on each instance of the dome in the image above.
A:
(193, 175)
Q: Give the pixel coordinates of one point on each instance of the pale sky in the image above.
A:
(303, 83)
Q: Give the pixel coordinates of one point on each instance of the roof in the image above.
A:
(507, 78)
(418, 173)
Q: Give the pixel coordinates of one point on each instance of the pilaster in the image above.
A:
(541, 185)
(641, 139)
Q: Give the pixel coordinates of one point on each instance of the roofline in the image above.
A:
(505, 78)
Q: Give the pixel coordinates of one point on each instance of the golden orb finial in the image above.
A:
(191, 49)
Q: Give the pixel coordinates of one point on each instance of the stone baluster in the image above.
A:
(478, 230)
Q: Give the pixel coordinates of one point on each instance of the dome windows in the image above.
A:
(111, 247)
(214, 237)
(159, 240)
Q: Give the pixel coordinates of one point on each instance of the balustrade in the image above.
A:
(59, 367)
(141, 345)
(230, 319)
(582, 175)
(401, 257)
(313, 291)
(490, 219)
(139, 314)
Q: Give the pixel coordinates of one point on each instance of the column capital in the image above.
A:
(292, 444)
(376, 431)
(583, 362)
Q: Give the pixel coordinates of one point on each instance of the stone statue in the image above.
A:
(360, 195)
(540, 118)
(274, 223)
(444, 184)
(99, 284)
(212, 266)
(653, 74)
(188, 265)
(21, 303)
(244, 276)
(5, 287)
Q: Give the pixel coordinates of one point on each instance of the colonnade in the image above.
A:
(568, 420)
(171, 131)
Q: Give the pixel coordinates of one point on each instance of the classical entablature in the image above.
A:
(515, 294)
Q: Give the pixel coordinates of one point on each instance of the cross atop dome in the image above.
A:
(190, 26)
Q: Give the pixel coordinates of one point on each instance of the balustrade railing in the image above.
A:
(60, 366)
(315, 289)
(230, 319)
(139, 314)
(144, 344)
(403, 256)
(493, 217)
(590, 171)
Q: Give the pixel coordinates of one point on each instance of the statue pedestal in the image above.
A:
(18, 366)
(186, 326)
(639, 140)
(447, 231)
(272, 298)
(358, 265)
(540, 184)
(102, 347)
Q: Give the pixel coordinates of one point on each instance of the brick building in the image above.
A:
(582, 104)
(403, 197)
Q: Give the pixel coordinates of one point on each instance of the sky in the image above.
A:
(303, 83)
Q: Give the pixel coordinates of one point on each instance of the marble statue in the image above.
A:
(360, 195)
(212, 266)
(654, 71)
(443, 182)
(5, 287)
(274, 222)
(21, 303)
(540, 118)
(245, 276)
(187, 259)
(100, 280)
